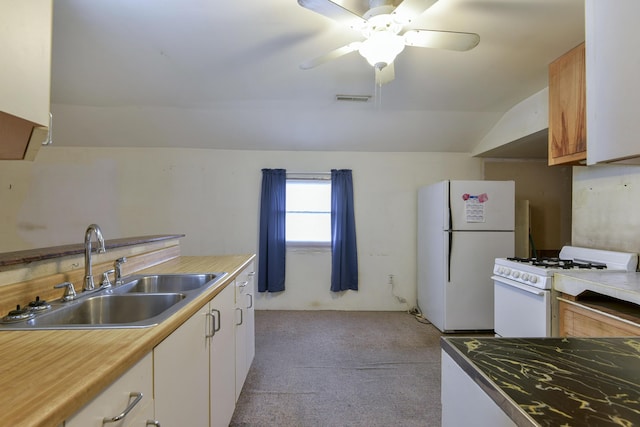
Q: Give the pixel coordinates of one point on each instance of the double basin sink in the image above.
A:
(140, 301)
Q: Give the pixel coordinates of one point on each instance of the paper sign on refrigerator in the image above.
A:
(474, 207)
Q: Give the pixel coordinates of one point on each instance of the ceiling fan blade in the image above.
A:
(441, 39)
(409, 9)
(349, 17)
(336, 53)
(385, 74)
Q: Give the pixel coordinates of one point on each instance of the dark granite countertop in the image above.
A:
(40, 254)
(556, 381)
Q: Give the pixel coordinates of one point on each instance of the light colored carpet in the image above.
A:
(334, 368)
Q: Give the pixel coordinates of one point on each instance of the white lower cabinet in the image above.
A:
(181, 374)
(222, 392)
(244, 325)
(194, 379)
(133, 391)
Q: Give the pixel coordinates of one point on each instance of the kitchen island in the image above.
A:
(547, 381)
(46, 376)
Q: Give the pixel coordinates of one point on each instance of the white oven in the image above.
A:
(521, 310)
(525, 303)
(523, 299)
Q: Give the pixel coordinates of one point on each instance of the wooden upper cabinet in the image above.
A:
(26, 34)
(567, 108)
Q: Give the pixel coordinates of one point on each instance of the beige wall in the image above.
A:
(606, 202)
(548, 190)
(212, 196)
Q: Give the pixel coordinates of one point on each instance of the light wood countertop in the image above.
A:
(47, 376)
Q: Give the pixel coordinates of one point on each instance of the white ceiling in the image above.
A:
(214, 74)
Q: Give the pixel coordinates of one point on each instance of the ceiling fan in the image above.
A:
(382, 23)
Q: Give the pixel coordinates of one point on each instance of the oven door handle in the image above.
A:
(514, 284)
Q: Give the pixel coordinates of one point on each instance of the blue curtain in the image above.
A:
(272, 244)
(344, 257)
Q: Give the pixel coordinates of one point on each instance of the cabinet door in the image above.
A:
(250, 292)
(181, 374)
(246, 301)
(567, 108)
(26, 51)
(241, 335)
(122, 393)
(222, 363)
(613, 93)
(577, 320)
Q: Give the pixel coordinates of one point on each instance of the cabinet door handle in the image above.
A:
(243, 284)
(49, 139)
(251, 273)
(212, 328)
(250, 300)
(153, 423)
(138, 397)
(241, 319)
(215, 310)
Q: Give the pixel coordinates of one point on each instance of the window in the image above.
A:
(308, 211)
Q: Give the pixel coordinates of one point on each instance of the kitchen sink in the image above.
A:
(109, 310)
(167, 282)
(141, 301)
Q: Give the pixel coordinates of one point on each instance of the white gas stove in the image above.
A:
(538, 272)
(524, 299)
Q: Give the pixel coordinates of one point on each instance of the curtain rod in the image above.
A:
(321, 176)
(308, 173)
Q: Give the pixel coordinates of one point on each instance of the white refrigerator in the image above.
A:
(463, 226)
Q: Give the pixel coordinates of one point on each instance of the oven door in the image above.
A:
(521, 310)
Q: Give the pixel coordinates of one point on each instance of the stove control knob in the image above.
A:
(525, 276)
(533, 279)
(516, 274)
(507, 271)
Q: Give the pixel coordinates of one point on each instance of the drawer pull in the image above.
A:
(153, 423)
(138, 397)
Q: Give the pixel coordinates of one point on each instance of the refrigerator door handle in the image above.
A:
(450, 232)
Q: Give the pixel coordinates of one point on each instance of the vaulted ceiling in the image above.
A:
(214, 74)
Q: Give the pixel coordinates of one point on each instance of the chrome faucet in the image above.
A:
(88, 275)
(117, 267)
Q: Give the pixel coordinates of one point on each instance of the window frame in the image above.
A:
(326, 178)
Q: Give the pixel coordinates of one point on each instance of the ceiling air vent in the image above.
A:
(353, 98)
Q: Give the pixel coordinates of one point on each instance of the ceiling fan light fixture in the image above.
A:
(381, 47)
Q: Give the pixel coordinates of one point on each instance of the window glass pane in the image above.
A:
(310, 196)
(308, 211)
(308, 227)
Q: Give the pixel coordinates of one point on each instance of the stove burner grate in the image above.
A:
(560, 263)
